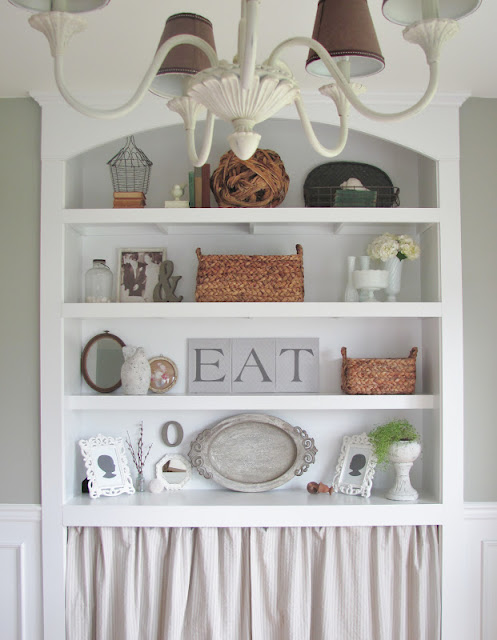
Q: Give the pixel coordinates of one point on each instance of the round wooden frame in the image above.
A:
(172, 371)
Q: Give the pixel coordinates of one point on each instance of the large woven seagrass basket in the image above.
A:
(240, 278)
(378, 376)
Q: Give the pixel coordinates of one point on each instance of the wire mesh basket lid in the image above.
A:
(130, 168)
(323, 182)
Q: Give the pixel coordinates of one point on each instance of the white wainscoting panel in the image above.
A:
(12, 567)
(20, 568)
(489, 590)
(479, 551)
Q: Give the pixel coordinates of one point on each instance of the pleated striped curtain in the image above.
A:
(343, 583)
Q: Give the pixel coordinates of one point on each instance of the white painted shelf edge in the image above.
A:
(222, 508)
(297, 215)
(269, 402)
(305, 220)
(83, 310)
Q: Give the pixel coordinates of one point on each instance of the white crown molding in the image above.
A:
(393, 99)
(20, 513)
(480, 510)
(98, 100)
(102, 100)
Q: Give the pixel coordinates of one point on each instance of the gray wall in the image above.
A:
(19, 342)
(19, 285)
(479, 233)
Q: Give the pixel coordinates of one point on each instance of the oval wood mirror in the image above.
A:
(101, 362)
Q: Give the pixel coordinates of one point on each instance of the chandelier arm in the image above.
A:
(198, 160)
(144, 85)
(345, 86)
(311, 136)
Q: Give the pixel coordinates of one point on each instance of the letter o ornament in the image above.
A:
(179, 433)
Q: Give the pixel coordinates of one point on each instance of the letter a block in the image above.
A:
(253, 366)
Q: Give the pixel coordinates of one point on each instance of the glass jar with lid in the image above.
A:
(98, 282)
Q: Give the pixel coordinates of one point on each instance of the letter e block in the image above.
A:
(209, 365)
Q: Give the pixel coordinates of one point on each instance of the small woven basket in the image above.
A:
(260, 181)
(239, 278)
(379, 376)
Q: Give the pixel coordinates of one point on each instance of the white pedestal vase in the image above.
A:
(368, 282)
(402, 455)
(394, 268)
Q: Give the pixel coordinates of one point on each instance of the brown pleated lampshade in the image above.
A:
(70, 6)
(184, 60)
(345, 29)
(409, 11)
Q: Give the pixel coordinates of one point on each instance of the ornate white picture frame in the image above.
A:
(107, 467)
(356, 466)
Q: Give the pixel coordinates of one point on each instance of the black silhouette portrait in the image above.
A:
(107, 464)
(357, 463)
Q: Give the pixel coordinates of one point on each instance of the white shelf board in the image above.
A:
(253, 310)
(311, 220)
(268, 402)
(223, 508)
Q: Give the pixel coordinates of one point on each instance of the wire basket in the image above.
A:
(322, 186)
(375, 196)
(130, 169)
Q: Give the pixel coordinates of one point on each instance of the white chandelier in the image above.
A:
(187, 71)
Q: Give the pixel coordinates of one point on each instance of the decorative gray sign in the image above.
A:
(209, 365)
(297, 365)
(253, 365)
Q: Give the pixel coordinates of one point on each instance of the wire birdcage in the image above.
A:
(130, 168)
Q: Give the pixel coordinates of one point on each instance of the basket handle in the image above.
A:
(413, 352)
(344, 353)
(300, 251)
(198, 251)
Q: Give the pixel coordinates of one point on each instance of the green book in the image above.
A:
(191, 189)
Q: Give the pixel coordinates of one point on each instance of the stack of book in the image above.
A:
(129, 200)
(200, 186)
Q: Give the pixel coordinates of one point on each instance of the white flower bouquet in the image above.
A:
(389, 245)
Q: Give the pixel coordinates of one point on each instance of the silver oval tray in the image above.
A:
(252, 452)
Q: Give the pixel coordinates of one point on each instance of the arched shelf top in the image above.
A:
(434, 133)
(89, 185)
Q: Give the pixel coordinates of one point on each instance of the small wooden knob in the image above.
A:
(314, 487)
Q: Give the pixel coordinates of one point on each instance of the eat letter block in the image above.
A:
(253, 365)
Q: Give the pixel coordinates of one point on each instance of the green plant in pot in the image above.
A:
(397, 442)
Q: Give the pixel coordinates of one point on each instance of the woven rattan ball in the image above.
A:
(260, 181)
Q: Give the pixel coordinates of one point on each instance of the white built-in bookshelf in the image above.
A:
(428, 315)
